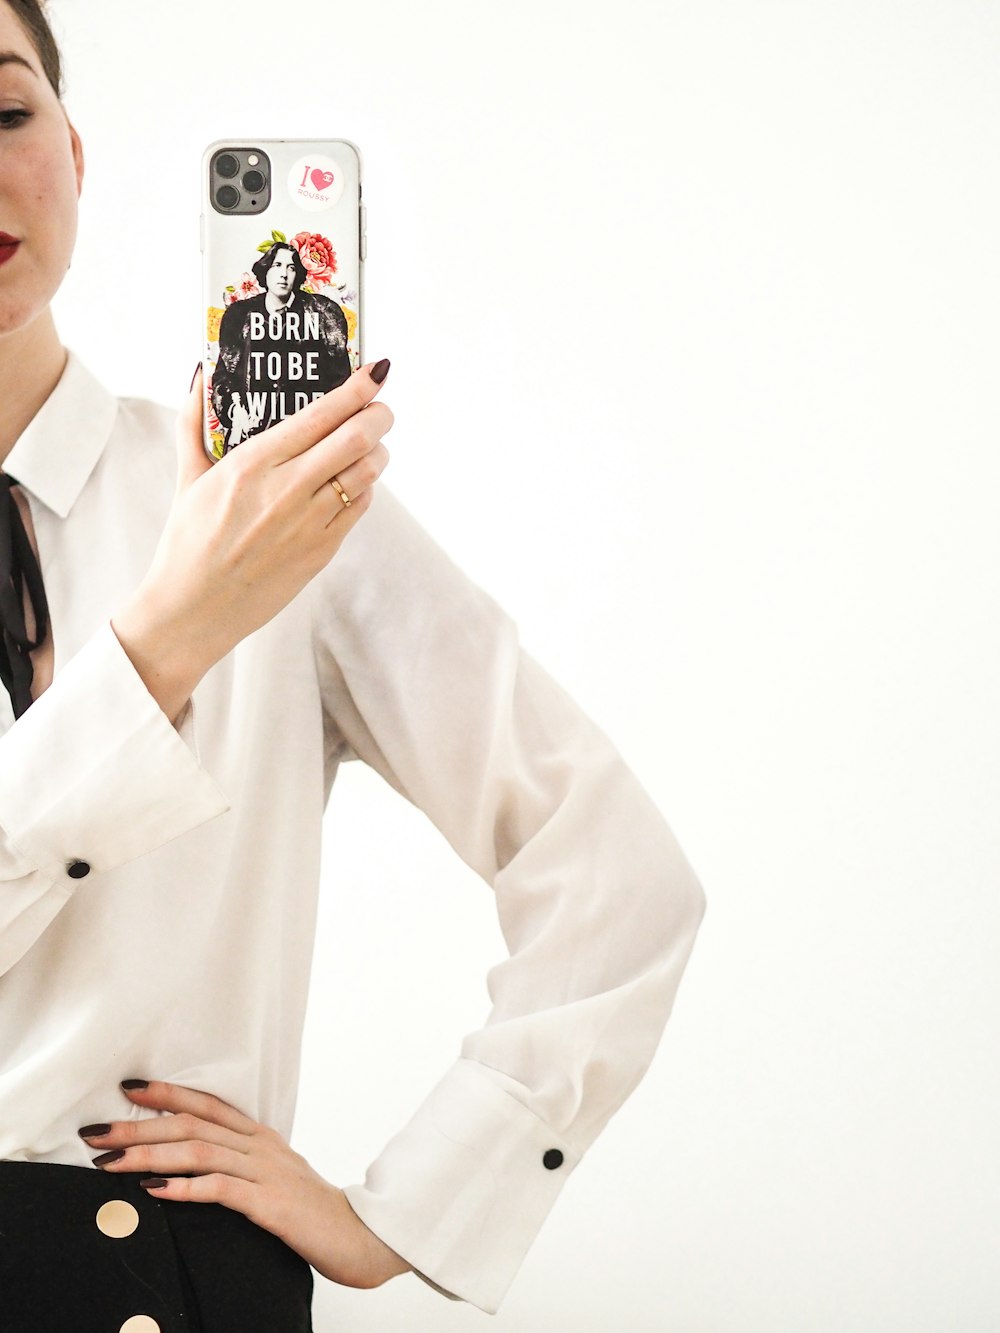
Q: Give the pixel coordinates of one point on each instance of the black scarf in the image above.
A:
(18, 566)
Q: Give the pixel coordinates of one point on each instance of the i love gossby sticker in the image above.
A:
(315, 182)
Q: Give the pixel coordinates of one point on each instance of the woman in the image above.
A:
(252, 338)
(208, 649)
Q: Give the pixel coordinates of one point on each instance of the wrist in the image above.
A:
(167, 653)
(387, 1263)
(382, 1262)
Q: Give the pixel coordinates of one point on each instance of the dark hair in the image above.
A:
(265, 261)
(33, 19)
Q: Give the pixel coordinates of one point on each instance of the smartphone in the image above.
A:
(283, 248)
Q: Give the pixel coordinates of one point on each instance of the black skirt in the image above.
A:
(89, 1251)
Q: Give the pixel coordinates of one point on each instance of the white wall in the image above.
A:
(692, 310)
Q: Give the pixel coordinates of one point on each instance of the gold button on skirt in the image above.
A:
(117, 1218)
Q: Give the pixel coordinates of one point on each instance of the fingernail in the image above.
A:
(93, 1131)
(128, 1083)
(379, 370)
(107, 1157)
(194, 376)
(154, 1183)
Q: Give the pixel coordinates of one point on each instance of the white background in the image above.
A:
(692, 312)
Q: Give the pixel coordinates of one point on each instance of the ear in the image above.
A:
(77, 146)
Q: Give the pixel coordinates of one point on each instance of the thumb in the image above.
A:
(192, 460)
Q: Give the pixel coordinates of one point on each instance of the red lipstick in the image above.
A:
(8, 245)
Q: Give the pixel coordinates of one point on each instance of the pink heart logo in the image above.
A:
(321, 179)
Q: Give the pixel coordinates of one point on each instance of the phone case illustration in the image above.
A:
(282, 289)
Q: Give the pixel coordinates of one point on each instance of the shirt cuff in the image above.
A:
(94, 771)
(424, 1278)
(462, 1190)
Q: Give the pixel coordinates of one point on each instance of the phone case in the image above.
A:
(282, 286)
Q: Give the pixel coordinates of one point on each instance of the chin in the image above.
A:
(19, 309)
(15, 315)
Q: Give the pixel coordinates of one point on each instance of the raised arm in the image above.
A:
(424, 679)
(103, 766)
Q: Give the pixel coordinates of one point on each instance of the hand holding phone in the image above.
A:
(244, 536)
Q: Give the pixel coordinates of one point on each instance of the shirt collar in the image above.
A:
(59, 448)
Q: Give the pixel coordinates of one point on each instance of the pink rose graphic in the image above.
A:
(247, 285)
(318, 255)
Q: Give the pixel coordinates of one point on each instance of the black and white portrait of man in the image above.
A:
(278, 350)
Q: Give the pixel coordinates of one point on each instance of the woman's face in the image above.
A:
(41, 174)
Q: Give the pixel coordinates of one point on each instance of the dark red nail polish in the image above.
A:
(107, 1157)
(154, 1183)
(93, 1131)
(379, 370)
(128, 1083)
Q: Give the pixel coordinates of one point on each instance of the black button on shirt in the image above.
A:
(77, 869)
(552, 1158)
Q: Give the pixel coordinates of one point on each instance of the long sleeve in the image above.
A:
(424, 679)
(93, 772)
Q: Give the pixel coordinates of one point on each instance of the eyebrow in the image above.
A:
(12, 58)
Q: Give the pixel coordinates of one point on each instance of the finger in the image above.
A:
(350, 442)
(175, 1158)
(317, 419)
(339, 522)
(243, 1196)
(167, 1129)
(192, 460)
(175, 1097)
(354, 479)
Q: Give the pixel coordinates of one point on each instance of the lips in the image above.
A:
(6, 239)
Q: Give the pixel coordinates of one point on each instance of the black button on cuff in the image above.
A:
(77, 869)
(552, 1158)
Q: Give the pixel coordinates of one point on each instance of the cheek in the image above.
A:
(50, 177)
(52, 184)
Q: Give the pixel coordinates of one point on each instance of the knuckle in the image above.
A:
(215, 1187)
(353, 438)
(369, 468)
(380, 415)
(233, 463)
(201, 1151)
(235, 476)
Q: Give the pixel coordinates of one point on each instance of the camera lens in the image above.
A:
(226, 164)
(227, 196)
(253, 182)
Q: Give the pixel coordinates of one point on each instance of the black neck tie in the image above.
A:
(18, 567)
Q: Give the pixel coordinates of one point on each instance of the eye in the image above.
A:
(10, 120)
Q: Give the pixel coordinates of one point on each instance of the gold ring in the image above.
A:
(340, 490)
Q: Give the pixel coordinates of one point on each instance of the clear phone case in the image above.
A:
(283, 240)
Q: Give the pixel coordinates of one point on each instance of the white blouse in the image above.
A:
(158, 885)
